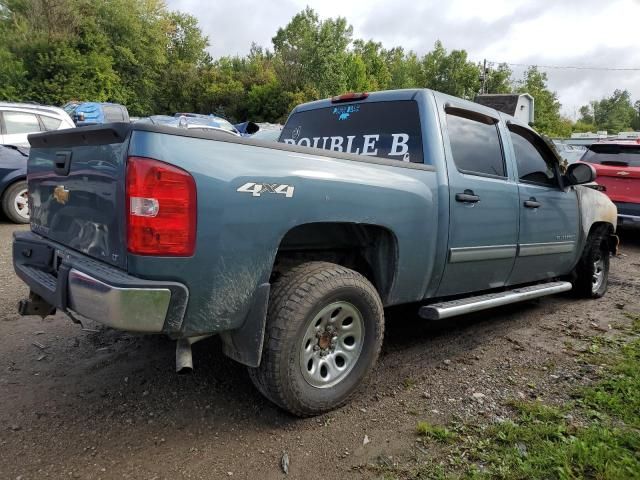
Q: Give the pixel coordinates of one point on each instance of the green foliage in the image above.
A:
(435, 432)
(153, 60)
(132, 52)
(595, 437)
(309, 48)
(450, 73)
(499, 79)
(615, 114)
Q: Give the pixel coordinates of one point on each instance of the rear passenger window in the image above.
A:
(50, 123)
(475, 144)
(535, 164)
(19, 122)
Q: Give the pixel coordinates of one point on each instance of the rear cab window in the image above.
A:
(388, 129)
(615, 155)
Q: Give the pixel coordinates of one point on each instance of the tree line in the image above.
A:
(154, 60)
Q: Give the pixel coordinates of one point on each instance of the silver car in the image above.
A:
(17, 120)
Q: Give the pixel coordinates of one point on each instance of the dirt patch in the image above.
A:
(104, 404)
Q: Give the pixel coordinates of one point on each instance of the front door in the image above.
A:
(483, 224)
(549, 216)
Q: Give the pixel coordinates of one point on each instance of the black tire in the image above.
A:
(297, 298)
(9, 202)
(590, 278)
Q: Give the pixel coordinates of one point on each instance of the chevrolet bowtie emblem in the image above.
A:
(61, 194)
(623, 173)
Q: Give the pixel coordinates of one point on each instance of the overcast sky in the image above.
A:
(541, 32)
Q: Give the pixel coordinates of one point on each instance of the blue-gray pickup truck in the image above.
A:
(291, 250)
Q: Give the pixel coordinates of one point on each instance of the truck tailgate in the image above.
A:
(76, 182)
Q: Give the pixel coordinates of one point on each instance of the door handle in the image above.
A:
(532, 203)
(62, 163)
(467, 197)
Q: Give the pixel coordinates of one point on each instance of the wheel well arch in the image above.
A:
(371, 250)
(7, 183)
(609, 229)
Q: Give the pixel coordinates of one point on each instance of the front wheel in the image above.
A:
(15, 203)
(591, 275)
(324, 332)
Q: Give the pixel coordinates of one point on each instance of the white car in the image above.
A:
(17, 120)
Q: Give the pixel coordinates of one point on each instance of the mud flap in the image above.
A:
(613, 242)
(244, 345)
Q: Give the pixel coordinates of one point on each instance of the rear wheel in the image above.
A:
(15, 202)
(324, 331)
(591, 275)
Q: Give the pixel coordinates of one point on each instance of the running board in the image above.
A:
(440, 311)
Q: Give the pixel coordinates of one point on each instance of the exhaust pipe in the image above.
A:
(184, 357)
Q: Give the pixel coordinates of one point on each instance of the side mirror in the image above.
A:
(579, 173)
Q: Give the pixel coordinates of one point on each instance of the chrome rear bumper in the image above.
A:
(133, 309)
(76, 284)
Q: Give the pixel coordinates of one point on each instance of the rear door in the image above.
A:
(483, 227)
(549, 216)
(17, 125)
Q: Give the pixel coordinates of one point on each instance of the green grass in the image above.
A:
(435, 432)
(541, 443)
(596, 436)
(545, 442)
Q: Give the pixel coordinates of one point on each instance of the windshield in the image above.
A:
(612, 154)
(380, 129)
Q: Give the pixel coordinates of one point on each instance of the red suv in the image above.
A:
(618, 165)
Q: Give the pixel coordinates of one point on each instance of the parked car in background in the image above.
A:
(191, 123)
(569, 153)
(210, 120)
(92, 113)
(617, 163)
(17, 120)
(268, 131)
(13, 183)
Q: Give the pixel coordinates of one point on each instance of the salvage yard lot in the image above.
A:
(97, 403)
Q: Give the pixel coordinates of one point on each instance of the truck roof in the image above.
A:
(380, 96)
(410, 94)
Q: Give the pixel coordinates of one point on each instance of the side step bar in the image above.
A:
(440, 311)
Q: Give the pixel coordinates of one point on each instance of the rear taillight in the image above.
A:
(161, 209)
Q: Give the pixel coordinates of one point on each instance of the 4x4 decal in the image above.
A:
(257, 189)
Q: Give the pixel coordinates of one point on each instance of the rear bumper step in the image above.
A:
(60, 278)
(440, 311)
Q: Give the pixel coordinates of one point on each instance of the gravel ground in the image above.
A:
(97, 403)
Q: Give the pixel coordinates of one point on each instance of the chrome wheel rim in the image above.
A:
(598, 274)
(331, 345)
(21, 203)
